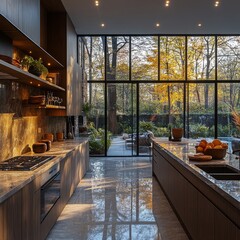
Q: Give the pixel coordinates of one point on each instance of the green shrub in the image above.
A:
(97, 140)
(199, 130)
(145, 126)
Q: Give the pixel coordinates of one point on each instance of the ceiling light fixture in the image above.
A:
(216, 4)
(96, 3)
(157, 24)
(102, 25)
(167, 3)
(199, 25)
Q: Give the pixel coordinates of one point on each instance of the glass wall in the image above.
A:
(182, 81)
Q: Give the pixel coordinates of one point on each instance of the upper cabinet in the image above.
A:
(41, 29)
(25, 15)
(63, 37)
(23, 43)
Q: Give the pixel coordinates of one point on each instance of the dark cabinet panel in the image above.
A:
(30, 212)
(199, 215)
(25, 14)
(205, 216)
(11, 216)
(224, 228)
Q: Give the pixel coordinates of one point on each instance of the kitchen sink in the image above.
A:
(227, 176)
(221, 172)
(217, 168)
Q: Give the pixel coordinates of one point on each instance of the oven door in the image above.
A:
(50, 193)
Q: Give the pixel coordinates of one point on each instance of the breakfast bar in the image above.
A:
(207, 208)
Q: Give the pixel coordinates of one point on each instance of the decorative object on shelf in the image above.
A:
(10, 60)
(39, 147)
(53, 77)
(177, 134)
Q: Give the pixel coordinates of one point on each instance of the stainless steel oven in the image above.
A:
(50, 189)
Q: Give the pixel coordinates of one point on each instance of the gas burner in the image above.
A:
(24, 163)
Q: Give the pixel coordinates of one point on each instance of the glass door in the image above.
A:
(121, 119)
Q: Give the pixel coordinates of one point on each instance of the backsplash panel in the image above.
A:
(18, 134)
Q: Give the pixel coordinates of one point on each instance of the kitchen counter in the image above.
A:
(12, 181)
(229, 189)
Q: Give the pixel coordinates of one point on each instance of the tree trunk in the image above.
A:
(112, 93)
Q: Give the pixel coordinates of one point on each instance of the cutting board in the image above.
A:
(199, 157)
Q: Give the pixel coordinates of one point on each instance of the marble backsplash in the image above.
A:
(18, 134)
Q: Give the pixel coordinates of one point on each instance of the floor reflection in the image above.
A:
(118, 199)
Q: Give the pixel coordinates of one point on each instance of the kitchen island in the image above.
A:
(31, 201)
(208, 208)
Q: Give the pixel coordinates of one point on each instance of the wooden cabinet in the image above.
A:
(66, 178)
(201, 218)
(30, 212)
(19, 215)
(10, 213)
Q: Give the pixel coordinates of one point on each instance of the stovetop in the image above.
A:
(24, 163)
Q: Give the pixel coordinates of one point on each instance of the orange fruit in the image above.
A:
(216, 142)
(199, 149)
(208, 147)
(211, 145)
(203, 143)
(218, 147)
(224, 145)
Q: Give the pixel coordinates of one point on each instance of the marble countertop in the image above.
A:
(12, 181)
(229, 189)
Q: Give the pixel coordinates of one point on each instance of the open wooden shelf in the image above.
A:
(11, 72)
(24, 43)
(45, 106)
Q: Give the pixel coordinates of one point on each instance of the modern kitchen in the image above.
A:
(87, 144)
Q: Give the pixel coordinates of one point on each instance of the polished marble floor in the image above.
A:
(118, 199)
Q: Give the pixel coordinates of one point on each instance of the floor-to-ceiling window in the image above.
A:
(138, 84)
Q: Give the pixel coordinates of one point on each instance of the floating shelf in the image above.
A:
(45, 106)
(53, 107)
(24, 43)
(11, 72)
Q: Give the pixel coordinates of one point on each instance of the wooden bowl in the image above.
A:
(216, 153)
(39, 147)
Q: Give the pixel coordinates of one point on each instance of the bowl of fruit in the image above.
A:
(216, 148)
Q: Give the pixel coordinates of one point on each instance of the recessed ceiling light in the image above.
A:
(157, 24)
(167, 3)
(102, 25)
(30, 52)
(97, 3)
(199, 25)
(49, 64)
(216, 4)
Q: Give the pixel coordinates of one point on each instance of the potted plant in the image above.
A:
(26, 62)
(37, 68)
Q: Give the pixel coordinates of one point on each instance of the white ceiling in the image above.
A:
(140, 17)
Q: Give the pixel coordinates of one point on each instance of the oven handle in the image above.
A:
(49, 174)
